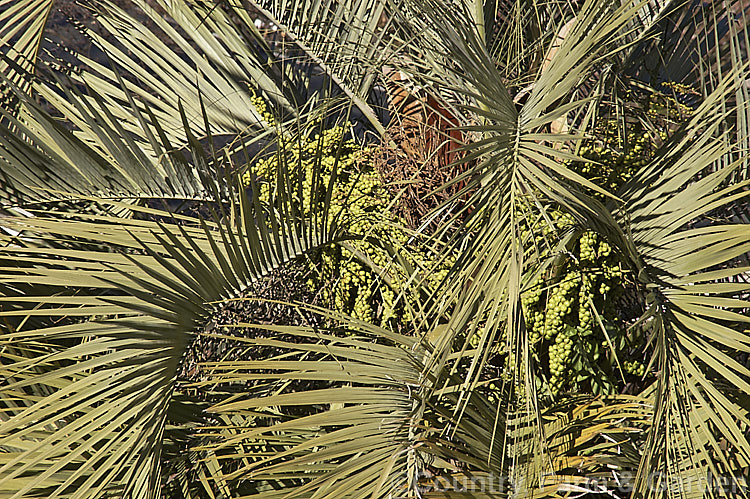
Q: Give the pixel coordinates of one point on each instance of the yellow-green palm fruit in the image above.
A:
(359, 203)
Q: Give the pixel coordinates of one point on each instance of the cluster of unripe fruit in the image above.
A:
(575, 330)
(634, 367)
(612, 162)
(359, 203)
(559, 309)
(664, 107)
(560, 355)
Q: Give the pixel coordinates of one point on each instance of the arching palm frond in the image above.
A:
(349, 41)
(21, 29)
(520, 172)
(694, 314)
(370, 423)
(42, 159)
(98, 309)
(151, 75)
(217, 50)
(86, 402)
(518, 169)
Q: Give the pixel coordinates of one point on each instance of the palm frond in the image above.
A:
(518, 165)
(21, 28)
(368, 423)
(517, 174)
(187, 51)
(354, 428)
(348, 41)
(101, 293)
(98, 311)
(695, 316)
(586, 439)
(41, 155)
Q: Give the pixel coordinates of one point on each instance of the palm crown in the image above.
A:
(591, 145)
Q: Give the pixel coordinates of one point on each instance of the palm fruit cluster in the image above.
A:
(666, 106)
(611, 165)
(348, 281)
(564, 335)
(616, 154)
(569, 309)
(634, 368)
(358, 276)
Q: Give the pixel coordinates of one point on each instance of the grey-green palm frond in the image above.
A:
(218, 51)
(518, 166)
(98, 308)
(695, 315)
(695, 44)
(173, 62)
(41, 155)
(98, 312)
(354, 428)
(371, 423)
(348, 41)
(211, 70)
(21, 29)
(109, 121)
(520, 173)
